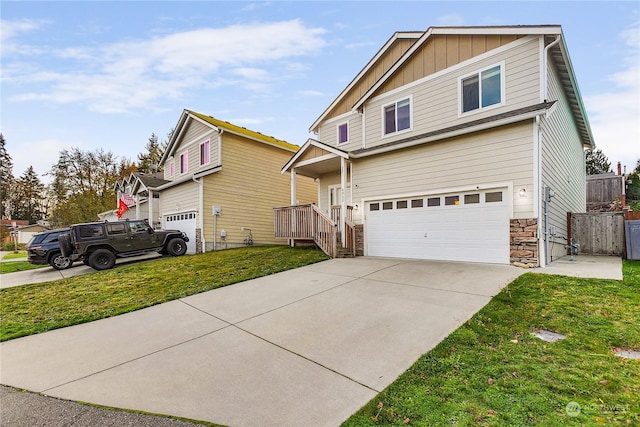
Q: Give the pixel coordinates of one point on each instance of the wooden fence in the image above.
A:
(598, 233)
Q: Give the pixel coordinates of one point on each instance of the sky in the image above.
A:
(106, 75)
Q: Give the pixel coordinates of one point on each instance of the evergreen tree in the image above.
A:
(28, 197)
(149, 162)
(6, 180)
(597, 162)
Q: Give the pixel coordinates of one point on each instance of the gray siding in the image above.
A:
(328, 131)
(563, 163)
(502, 156)
(180, 198)
(435, 100)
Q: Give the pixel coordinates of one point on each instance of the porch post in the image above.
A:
(343, 199)
(293, 186)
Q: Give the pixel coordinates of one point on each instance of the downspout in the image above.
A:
(200, 183)
(538, 194)
(363, 125)
(543, 210)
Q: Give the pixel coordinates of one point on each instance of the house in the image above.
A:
(26, 232)
(219, 185)
(456, 143)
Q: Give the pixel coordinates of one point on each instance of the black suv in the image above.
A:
(99, 243)
(43, 248)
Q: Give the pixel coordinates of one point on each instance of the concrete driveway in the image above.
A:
(304, 347)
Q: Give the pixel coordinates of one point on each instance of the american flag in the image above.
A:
(127, 199)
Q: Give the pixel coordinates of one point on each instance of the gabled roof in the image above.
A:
(314, 143)
(218, 124)
(558, 53)
(398, 35)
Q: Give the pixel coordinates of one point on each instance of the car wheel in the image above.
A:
(59, 261)
(102, 259)
(176, 247)
(65, 244)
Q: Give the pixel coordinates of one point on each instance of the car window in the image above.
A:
(138, 227)
(116, 228)
(52, 237)
(90, 231)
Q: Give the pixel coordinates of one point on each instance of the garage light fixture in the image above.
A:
(523, 192)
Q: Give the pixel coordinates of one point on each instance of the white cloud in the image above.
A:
(452, 19)
(310, 92)
(129, 75)
(615, 115)
(41, 154)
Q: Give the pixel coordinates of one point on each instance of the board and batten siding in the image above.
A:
(195, 134)
(247, 189)
(501, 155)
(563, 163)
(435, 103)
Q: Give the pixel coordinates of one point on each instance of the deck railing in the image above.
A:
(306, 222)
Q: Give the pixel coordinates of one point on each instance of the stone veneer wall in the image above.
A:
(524, 242)
(359, 230)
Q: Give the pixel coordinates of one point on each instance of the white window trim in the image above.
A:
(503, 93)
(338, 133)
(395, 102)
(208, 141)
(172, 168)
(184, 153)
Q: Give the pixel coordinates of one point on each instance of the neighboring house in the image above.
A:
(26, 232)
(137, 193)
(220, 182)
(452, 144)
(10, 225)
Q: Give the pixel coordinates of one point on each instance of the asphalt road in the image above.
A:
(20, 408)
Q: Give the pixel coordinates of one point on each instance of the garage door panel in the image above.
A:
(473, 232)
(185, 222)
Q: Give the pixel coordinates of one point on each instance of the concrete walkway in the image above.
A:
(304, 347)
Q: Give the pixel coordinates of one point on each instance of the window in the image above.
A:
(343, 133)
(417, 203)
(471, 199)
(374, 207)
(171, 169)
(116, 228)
(397, 116)
(184, 162)
(481, 90)
(433, 201)
(401, 204)
(493, 197)
(204, 153)
(452, 200)
(387, 206)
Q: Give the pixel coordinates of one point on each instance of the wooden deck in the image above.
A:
(308, 223)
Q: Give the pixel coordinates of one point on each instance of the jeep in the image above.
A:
(98, 244)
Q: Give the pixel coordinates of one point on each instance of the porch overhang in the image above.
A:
(315, 158)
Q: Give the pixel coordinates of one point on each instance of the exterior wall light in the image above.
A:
(523, 192)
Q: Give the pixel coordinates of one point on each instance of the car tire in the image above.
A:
(59, 261)
(66, 247)
(176, 247)
(102, 259)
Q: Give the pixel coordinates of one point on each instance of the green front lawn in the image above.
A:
(40, 307)
(494, 371)
(13, 266)
(12, 255)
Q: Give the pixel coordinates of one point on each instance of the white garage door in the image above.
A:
(186, 222)
(471, 226)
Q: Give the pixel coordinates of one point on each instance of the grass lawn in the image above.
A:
(40, 307)
(19, 254)
(494, 371)
(13, 266)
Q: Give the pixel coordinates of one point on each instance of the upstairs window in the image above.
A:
(343, 133)
(482, 89)
(204, 153)
(172, 169)
(184, 162)
(397, 116)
